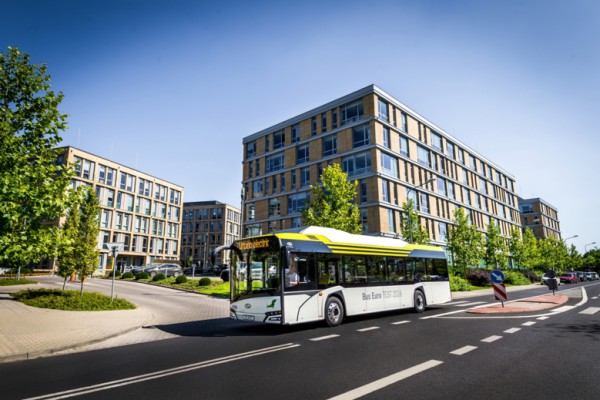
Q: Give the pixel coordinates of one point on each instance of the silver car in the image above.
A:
(165, 269)
(546, 278)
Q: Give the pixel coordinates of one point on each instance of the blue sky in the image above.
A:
(171, 87)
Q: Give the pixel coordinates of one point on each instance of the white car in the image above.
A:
(546, 278)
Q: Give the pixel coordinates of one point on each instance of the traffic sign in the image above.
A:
(500, 292)
(497, 276)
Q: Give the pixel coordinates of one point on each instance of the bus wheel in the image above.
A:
(419, 301)
(334, 311)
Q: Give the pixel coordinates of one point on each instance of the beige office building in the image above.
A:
(206, 226)
(139, 210)
(391, 151)
(541, 217)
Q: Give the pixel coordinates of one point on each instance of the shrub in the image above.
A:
(181, 279)
(516, 278)
(532, 276)
(128, 275)
(109, 274)
(142, 275)
(478, 277)
(204, 281)
(458, 284)
(158, 277)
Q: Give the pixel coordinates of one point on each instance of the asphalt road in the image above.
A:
(444, 353)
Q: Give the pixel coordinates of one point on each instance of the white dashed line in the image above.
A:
(530, 323)
(400, 322)
(590, 310)
(470, 304)
(367, 329)
(543, 317)
(512, 330)
(324, 338)
(463, 350)
(491, 339)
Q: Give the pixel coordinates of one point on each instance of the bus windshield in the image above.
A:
(262, 278)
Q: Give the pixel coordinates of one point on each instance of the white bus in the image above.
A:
(314, 273)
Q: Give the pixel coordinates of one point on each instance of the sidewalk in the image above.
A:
(29, 332)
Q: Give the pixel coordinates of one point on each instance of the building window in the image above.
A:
(451, 190)
(302, 155)
(334, 119)
(323, 122)
(391, 221)
(423, 156)
(304, 177)
(482, 185)
(467, 196)
(275, 162)
(363, 190)
(297, 202)
(465, 176)
(441, 184)
(361, 136)
(357, 164)
(295, 133)
(404, 122)
(278, 140)
(472, 163)
(424, 202)
(274, 207)
(329, 145)
(450, 150)
(443, 230)
(461, 156)
(364, 219)
(257, 188)
(386, 137)
(351, 112)
(385, 191)
(313, 126)
(383, 110)
(389, 165)
(404, 146)
(436, 141)
(267, 143)
(250, 149)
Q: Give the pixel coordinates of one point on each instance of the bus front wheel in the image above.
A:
(419, 301)
(334, 311)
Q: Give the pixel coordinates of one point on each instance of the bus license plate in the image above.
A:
(247, 317)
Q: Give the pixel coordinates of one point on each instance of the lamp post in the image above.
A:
(588, 245)
(414, 188)
(570, 237)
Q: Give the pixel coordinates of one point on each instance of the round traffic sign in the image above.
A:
(496, 276)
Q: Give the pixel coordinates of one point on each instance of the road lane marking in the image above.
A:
(470, 304)
(453, 303)
(400, 322)
(491, 339)
(512, 330)
(160, 374)
(543, 317)
(324, 338)
(367, 329)
(456, 312)
(562, 309)
(590, 310)
(463, 350)
(388, 380)
(530, 323)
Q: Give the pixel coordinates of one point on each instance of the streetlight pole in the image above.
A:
(570, 237)
(588, 245)
(414, 188)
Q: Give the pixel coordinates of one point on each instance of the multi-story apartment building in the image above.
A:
(139, 210)
(206, 226)
(391, 151)
(541, 217)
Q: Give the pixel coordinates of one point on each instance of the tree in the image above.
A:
(552, 254)
(79, 253)
(465, 242)
(530, 255)
(495, 247)
(574, 259)
(332, 203)
(411, 228)
(32, 184)
(516, 246)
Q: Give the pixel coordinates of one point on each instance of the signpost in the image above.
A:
(114, 249)
(497, 278)
(552, 285)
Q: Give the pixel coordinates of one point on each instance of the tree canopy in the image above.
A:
(32, 183)
(332, 204)
(411, 229)
(465, 242)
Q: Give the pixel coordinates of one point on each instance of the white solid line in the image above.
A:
(367, 329)
(463, 350)
(584, 297)
(388, 380)
(324, 337)
(491, 339)
(590, 310)
(160, 374)
(530, 323)
(453, 303)
(512, 330)
(400, 322)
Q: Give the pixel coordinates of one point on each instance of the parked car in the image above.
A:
(138, 268)
(581, 276)
(591, 276)
(225, 275)
(546, 278)
(196, 269)
(569, 277)
(165, 269)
